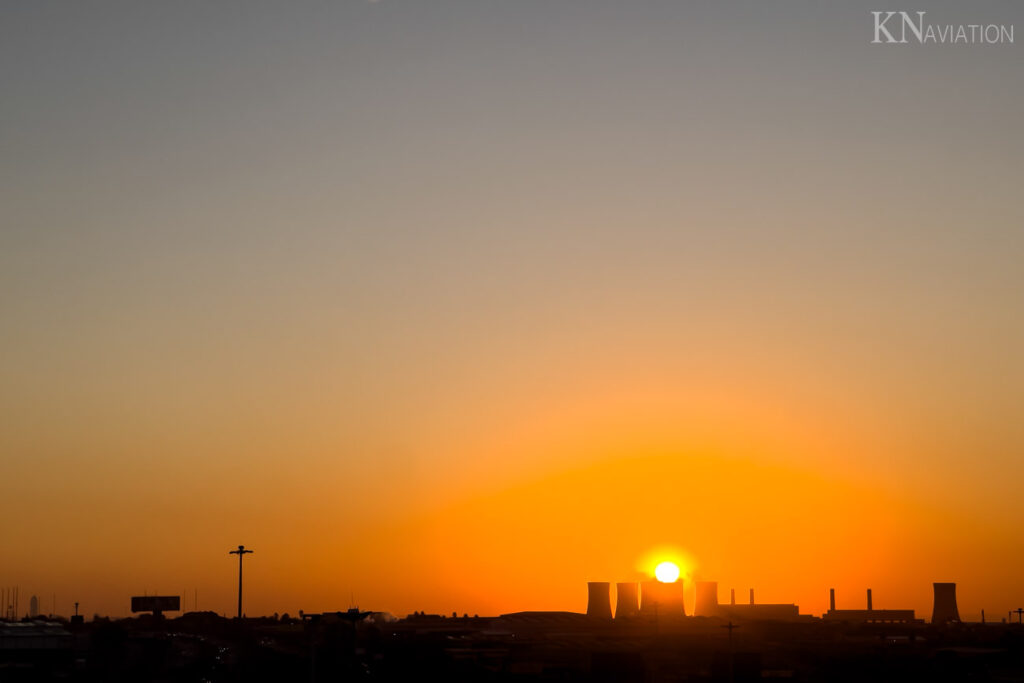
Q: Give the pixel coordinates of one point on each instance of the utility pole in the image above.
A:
(732, 670)
(1019, 611)
(241, 552)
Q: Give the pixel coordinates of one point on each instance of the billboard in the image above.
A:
(156, 603)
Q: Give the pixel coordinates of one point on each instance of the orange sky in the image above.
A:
(585, 493)
(456, 306)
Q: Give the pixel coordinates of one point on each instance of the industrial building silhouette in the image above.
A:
(944, 608)
(662, 600)
(599, 604)
(648, 638)
(627, 600)
(869, 615)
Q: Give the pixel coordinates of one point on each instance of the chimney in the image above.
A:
(732, 596)
(751, 596)
(599, 604)
(649, 597)
(662, 599)
(671, 598)
(944, 608)
(869, 599)
(831, 599)
(706, 604)
(627, 602)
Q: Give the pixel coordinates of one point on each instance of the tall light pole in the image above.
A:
(241, 552)
(732, 669)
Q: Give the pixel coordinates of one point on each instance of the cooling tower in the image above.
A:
(599, 601)
(649, 597)
(944, 609)
(627, 600)
(673, 601)
(706, 604)
(662, 599)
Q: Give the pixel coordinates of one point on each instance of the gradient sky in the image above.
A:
(458, 304)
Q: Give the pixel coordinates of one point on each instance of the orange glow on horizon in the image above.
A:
(661, 559)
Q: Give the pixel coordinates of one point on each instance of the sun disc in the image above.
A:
(667, 572)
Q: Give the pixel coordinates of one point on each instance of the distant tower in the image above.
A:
(869, 599)
(627, 600)
(241, 552)
(751, 596)
(831, 599)
(599, 603)
(706, 604)
(33, 607)
(944, 608)
(674, 598)
(649, 597)
(662, 599)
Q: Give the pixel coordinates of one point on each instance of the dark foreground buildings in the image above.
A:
(658, 645)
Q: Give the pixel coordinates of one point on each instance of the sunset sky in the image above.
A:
(454, 305)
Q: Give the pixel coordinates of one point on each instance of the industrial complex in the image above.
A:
(660, 600)
(632, 631)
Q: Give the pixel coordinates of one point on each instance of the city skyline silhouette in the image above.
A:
(658, 596)
(650, 635)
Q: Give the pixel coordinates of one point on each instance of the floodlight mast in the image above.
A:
(241, 552)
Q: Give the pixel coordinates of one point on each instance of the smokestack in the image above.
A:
(944, 608)
(657, 598)
(751, 596)
(627, 600)
(706, 604)
(599, 603)
(732, 596)
(869, 599)
(672, 601)
(831, 599)
(649, 597)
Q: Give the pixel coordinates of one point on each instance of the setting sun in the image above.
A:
(667, 572)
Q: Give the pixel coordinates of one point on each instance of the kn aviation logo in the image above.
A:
(897, 27)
